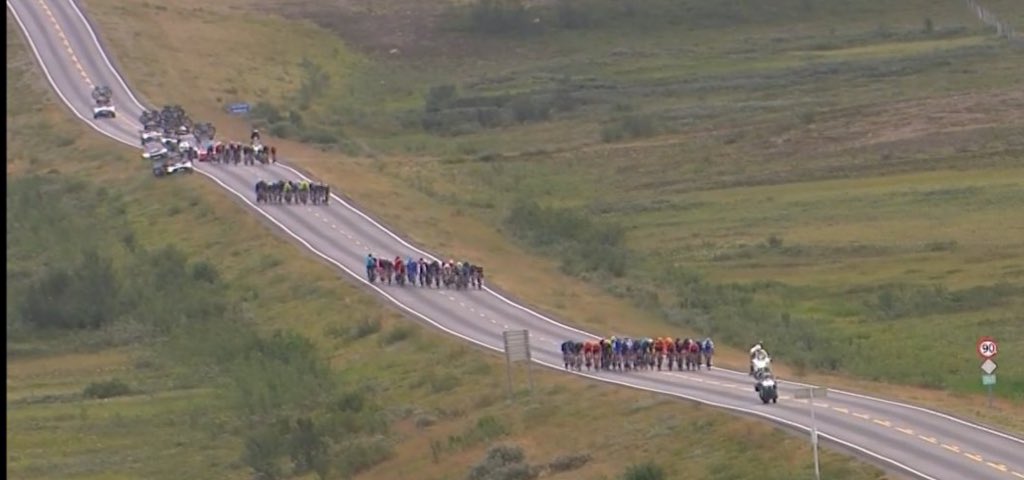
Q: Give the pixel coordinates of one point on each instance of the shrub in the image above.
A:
(572, 15)
(106, 389)
(499, 17)
(307, 446)
(398, 334)
(644, 471)
(527, 108)
(425, 421)
(360, 455)
(629, 127)
(364, 328)
(267, 112)
(583, 244)
(319, 135)
(439, 97)
(565, 463)
(503, 462)
(86, 296)
(264, 448)
(444, 383)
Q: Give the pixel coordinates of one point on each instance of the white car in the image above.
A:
(104, 111)
(154, 150)
(152, 136)
(170, 167)
(183, 166)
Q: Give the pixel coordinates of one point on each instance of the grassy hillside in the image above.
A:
(877, 323)
(839, 178)
(157, 331)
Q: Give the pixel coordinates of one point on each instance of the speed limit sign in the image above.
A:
(987, 347)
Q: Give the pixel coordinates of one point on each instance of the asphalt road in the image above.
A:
(904, 438)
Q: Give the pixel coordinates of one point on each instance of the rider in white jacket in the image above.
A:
(759, 347)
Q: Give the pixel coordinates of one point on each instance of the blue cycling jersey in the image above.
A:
(371, 262)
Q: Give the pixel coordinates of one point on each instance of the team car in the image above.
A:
(101, 94)
(172, 165)
(154, 150)
(151, 135)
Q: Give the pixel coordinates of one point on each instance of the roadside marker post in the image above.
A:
(517, 348)
(810, 394)
(987, 348)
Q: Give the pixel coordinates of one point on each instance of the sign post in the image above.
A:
(987, 348)
(517, 348)
(810, 394)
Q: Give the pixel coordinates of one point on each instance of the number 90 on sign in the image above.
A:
(987, 347)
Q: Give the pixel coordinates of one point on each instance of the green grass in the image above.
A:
(191, 392)
(849, 133)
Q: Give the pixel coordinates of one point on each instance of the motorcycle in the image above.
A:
(767, 388)
(765, 385)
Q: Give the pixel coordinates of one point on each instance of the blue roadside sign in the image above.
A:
(239, 108)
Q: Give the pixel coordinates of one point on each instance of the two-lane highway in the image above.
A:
(909, 439)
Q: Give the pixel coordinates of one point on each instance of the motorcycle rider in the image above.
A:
(754, 351)
(254, 136)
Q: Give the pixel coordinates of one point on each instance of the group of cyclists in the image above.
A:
(291, 191)
(451, 273)
(235, 153)
(627, 354)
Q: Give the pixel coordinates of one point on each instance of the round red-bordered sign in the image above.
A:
(987, 347)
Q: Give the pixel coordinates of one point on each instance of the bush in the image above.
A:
(565, 463)
(307, 446)
(398, 334)
(106, 389)
(439, 97)
(503, 462)
(629, 127)
(264, 448)
(279, 374)
(525, 109)
(644, 471)
(583, 244)
(896, 301)
(499, 17)
(267, 112)
(573, 15)
(315, 81)
(86, 296)
(320, 136)
(425, 421)
(360, 455)
(364, 328)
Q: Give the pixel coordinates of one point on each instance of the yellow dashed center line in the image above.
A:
(67, 45)
(861, 415)
(952, 448)
(840, 410)
(1017, 474)
(973, 456)
(884, 423)
(905, 430)
(928, 439)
